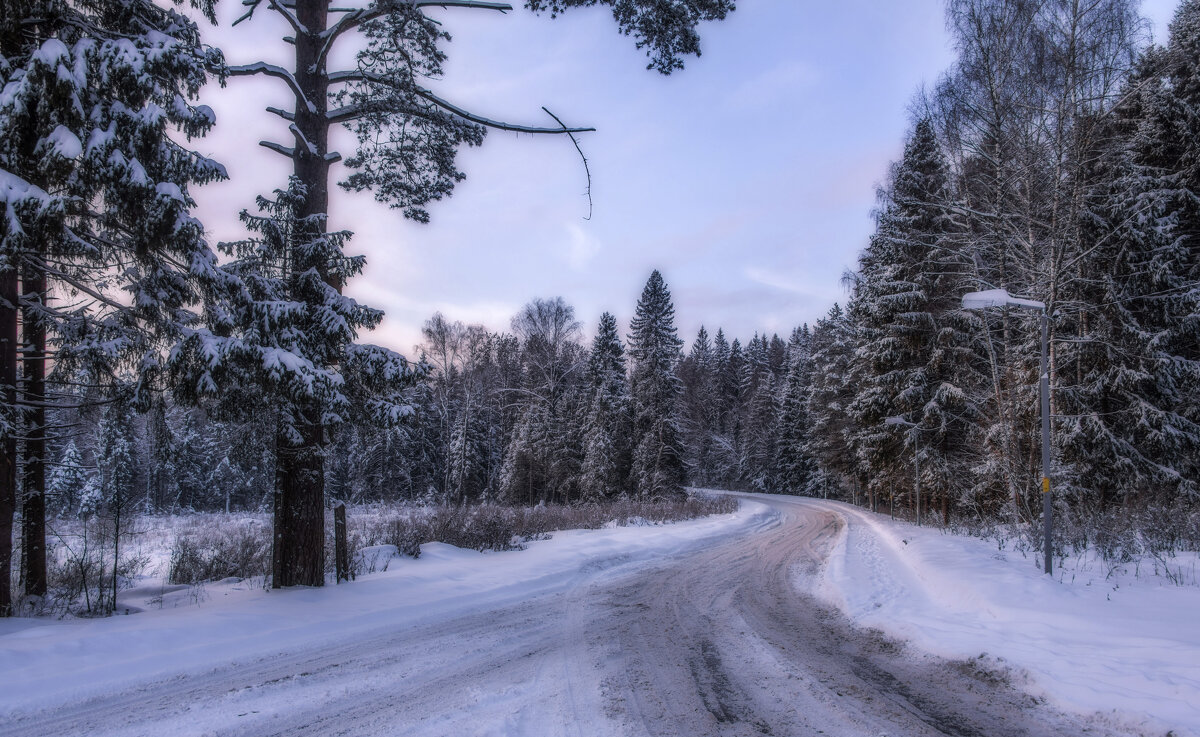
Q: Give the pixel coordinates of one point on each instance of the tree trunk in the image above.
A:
(33, 505)
(277, 529)
(341, 550)
(299, 469)
(300, 511)
(117, 504)
(8, 440)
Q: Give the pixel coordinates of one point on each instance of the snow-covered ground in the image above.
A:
(1125, 645)
(185, 631)
(1083, 639)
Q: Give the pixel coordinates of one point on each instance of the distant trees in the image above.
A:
(546, 448)
(523, 417)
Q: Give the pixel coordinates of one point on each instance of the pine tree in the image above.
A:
(658, 468)
(1132, 368)
(116, 459)
(915, 343)
(794, 466)
(96, 193)
(68, 478)
(606, 459)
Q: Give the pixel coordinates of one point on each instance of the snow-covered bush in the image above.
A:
(496, 527)
(211, 554)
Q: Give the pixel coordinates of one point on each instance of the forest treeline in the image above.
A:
(531, 415)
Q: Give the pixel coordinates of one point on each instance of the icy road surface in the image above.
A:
(705, 636)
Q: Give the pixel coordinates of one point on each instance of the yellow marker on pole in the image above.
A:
(1045, 485)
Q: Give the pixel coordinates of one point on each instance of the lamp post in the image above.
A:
(1001, 298)
(916, 458)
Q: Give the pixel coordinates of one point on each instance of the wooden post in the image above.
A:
(339, 542)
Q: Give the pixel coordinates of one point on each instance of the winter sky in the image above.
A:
(748, 178)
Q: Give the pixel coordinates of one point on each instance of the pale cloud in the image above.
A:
(582, 247)
(771, 279)
(777, 85)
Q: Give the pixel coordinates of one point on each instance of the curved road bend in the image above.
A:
(714, 642)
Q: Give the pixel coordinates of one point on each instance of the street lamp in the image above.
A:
(916, 457)
(1001, 298)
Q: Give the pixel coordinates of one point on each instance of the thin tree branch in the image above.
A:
(360, 76)
(586, 170)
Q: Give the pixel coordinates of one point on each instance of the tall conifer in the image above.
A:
(654, 345)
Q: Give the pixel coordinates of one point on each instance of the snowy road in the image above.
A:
(713, 640)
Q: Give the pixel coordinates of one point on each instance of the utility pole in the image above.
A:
(1001, 298)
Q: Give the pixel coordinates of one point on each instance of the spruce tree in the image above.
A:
(830, 392)
(1131, 371)
(699, 408)
(66, 482)
(658, 468)
(283, 342)
(760, 436)
(915, 342)
(163, 452)
(606, 459)
(116, 459)
(723, 459)
(96, 191)
(794, 466)
(464, 459)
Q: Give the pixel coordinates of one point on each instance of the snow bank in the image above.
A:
(44, 664)
(1129, 646)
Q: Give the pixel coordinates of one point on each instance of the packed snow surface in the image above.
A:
(1087, 638)
(47, 663)
(591, 632)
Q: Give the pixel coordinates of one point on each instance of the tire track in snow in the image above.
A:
(712, 641)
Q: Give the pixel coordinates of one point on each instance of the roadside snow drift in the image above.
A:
(1088, 641)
